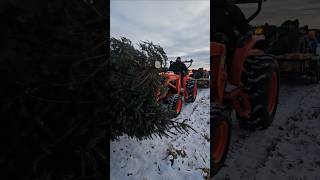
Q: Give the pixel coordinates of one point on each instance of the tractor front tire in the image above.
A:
(221, 141)
(261, 84)
(175, 104)
(191, 90)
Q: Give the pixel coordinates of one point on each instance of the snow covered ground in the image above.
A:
(289, 149)
(184, 156)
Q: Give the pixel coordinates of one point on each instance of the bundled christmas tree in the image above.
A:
(134, 82)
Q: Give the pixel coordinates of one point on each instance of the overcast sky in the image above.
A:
(277, 11)
(181, 27)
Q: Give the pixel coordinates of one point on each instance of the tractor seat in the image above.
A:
(220, 38)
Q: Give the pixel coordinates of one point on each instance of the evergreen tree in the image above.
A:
(134, 82)
(53, 74)
(59, 93)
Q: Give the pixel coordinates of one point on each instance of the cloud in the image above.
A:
(182, 28)
(277, 11)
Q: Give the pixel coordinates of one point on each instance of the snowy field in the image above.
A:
(184, 156)
(289, 149)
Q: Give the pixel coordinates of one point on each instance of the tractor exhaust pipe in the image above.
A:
(255, 14)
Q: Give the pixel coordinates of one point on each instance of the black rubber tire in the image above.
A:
(173, 102)
(191, 86)
(225, 117)
(256, 79)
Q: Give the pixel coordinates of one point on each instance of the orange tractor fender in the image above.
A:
(169, 78)
(240, 56)
(232, 75)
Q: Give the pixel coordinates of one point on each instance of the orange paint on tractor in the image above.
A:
(177, 87)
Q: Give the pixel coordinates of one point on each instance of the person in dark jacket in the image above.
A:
(304, 40)
(178, 67)
(228, 26)
(228, 19)
(313, 42)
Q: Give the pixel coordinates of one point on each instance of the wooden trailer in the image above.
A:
(306, 65)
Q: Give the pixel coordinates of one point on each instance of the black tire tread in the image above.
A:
(173, 103)
(189, 89)
(258, 71)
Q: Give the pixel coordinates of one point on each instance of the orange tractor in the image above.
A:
(177, 87)
(245, 82)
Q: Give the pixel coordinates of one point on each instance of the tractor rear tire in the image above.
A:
(191, 90)
(175, 104)
(261, 84)
(221, 141)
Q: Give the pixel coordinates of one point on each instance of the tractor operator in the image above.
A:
(229, 26)
(228, 19)
(178, 67)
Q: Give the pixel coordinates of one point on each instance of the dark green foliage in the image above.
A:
(56, 97)
(54, 90)
(134, 82)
